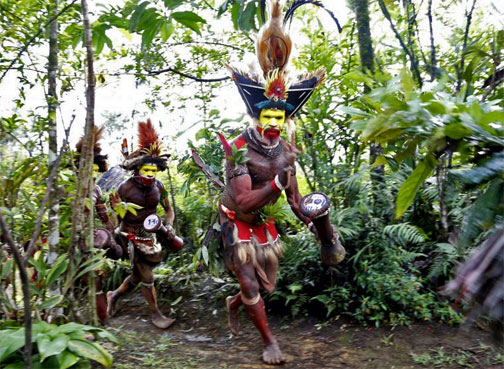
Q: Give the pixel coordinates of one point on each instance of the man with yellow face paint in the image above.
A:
(145, 247)
(257, 177)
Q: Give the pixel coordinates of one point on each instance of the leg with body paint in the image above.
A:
(232, 305)
(254, 307)
(144, 271)
(101, 304)
(127, 286)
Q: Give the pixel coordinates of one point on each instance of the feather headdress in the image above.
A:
(273, 48)
(149, 149)
(98, 159)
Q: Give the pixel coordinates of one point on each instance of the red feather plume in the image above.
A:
(276, 88)
(148, 138)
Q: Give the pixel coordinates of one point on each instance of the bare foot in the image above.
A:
(160, 321)
(233, 321)
(111, 304)
(272, 354)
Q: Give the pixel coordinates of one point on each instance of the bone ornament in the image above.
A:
(153, 223)
(316, 207)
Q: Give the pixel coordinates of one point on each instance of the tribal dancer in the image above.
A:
(258, 176)
(143, 243)
(104, 231)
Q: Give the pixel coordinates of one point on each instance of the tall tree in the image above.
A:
(84, 178)
(52, 102)
(361, 9)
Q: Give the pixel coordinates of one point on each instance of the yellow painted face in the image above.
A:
(96, 169)
(149, 170)
(272, 119)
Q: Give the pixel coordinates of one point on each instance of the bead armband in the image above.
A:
(276, 185)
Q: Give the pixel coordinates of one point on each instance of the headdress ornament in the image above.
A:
(98, 159)
(149, 151)
(273, 47)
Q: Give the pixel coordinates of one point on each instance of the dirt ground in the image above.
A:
(200, 339)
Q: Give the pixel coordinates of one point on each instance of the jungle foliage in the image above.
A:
(434, 110)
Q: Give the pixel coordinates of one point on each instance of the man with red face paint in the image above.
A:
(257, 177)
(144, 245)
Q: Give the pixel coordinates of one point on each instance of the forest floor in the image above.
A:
(200, 339)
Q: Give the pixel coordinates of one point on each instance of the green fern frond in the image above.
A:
(405, 233)
(280, 211)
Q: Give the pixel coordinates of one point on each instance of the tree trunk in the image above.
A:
(460, 67)
(432, 45)
(52, 103)
(26, 291)
(361, 9)
(84, 177)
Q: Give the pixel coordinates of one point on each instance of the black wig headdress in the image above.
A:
(98, 159)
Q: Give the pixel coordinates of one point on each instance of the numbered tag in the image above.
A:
(152, 223)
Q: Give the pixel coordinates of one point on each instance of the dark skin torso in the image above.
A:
(250, 192)
(147, 198)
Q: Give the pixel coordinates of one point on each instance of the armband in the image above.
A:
(276, 185)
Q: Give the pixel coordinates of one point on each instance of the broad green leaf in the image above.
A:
(482, 213)
(354, 111)
(103, 334)
(166, 30)
(11, 341)
(295, 287)
(246, 20)
(490, 168)
(151, 32)
(380, 160)
(407, 153)
(137, 15)
(204, 253)
(74, 327)
(48, 347)
(132, 210)
(50, 302)
(409, 188)
(407, 83)
(235, 14)
(457, 131)
(436, 108)
(90, 268)
(6, 268)
(66, 359)
(189, 19)
(358, 76)
(222, 8)
(59, 268)
(90, 350)
(172, 4)
(148, 20)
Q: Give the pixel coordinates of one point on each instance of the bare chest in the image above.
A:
(262, 168)
(147, 198)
